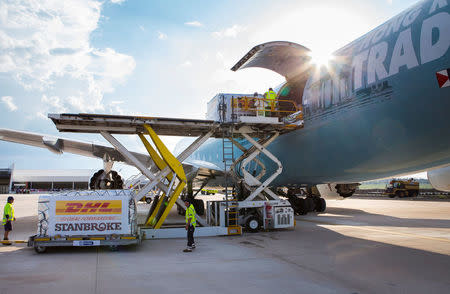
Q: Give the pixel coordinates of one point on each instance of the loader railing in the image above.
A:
(253, 106)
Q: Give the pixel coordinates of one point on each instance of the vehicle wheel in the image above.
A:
(321, 205)
(40, 249)
(148, 200)
(391, 195)
(400, 194)
(253, 224)
(413, 193)
(113, 247)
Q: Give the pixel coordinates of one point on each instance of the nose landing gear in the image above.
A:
(102, 180)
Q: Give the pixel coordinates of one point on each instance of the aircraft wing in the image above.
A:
(285, 58)
(60, 145)
(194, 168)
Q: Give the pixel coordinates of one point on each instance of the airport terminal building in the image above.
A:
(28, 180)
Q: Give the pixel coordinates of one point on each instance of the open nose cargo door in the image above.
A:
(288, 59)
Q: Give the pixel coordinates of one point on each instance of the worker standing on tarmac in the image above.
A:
(270, 97)
(191, 223)
(8, 217)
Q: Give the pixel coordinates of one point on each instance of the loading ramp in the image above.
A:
(166, 173)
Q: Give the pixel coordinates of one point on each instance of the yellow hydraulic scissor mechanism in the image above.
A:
(162, 160)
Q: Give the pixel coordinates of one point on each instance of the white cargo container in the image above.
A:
(86, 218)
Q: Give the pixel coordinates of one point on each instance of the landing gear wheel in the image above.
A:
(40, 249)
(112, 180)
(253, 224)
(321, 205)
(148, 200)
(302, 207)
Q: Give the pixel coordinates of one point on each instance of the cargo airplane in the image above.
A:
(380, 108)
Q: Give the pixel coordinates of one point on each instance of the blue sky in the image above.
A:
(159, 58)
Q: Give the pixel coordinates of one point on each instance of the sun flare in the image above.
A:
(320, 59)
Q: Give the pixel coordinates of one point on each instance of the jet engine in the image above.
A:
(440, 178)
(337, 191)
(102, 180)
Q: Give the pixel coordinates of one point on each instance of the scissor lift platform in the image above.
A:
(163, 126)
(169, 177)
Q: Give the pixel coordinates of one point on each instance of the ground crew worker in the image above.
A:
(8, 217)
(270, 97)
(191, 223)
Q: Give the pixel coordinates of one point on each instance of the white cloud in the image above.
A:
(187, 63)
(390, 1)
(162, 36)
(117, 102)
(194, 23)
(230, 32)
(142, 28)
(45, 46)
(8, 100)
(117, 1)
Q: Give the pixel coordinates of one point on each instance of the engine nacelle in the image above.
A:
(337, 191)
(440, 178)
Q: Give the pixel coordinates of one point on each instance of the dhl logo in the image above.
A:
(88, 207)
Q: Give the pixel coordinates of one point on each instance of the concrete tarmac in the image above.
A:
(358, 246)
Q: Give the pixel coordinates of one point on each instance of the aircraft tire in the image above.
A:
(302, 206)
(321, 205)
(113, 179)
(93, 182)
(310, 204)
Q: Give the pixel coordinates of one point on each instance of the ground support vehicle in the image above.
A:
(402, 188)
(209, 191)
(86, 218)
(252, 215)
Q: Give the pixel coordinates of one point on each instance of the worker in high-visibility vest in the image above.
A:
(191, 223)
(8, 217)
(270, 97)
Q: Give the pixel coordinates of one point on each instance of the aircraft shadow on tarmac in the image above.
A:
(372, 219)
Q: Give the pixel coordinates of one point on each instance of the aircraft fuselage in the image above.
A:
(378, 110)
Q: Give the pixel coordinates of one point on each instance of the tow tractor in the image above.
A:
(402, 188)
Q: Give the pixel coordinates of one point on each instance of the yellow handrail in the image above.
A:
(255, 104)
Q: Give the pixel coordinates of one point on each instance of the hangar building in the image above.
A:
(43, 180)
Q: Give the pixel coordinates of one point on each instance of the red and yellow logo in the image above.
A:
(88, 207)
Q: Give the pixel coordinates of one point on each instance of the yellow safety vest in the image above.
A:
(190, 214)
(8, 210)
(271, 96)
